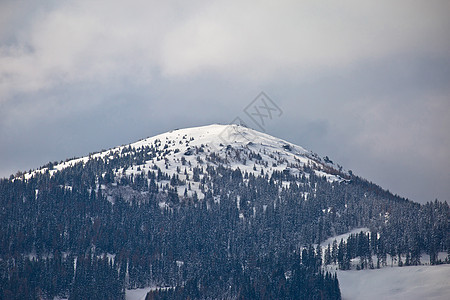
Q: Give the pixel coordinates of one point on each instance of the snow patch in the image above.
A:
(344, 236)
(412, 283)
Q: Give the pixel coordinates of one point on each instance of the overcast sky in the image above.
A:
(366, 84)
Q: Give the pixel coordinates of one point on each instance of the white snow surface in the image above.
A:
(137, 294)
(140, 294)
(409, 283)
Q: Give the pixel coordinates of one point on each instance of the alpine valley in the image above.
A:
(212, 212)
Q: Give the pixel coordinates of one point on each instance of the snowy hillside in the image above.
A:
(391, 281)
(177, 152)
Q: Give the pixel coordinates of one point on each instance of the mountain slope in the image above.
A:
(232, 146)
(223, 141)
(219, 211)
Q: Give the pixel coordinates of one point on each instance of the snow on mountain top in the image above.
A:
(235, 145)
(218, 136)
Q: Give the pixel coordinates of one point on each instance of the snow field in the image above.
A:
(409, 283)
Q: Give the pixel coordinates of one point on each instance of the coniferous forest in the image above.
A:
(90, 231)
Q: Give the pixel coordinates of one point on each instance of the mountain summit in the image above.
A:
(233, 146)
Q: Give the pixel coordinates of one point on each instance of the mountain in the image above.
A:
(231, 146)
(219, 211)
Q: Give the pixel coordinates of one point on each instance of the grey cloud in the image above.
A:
(85, 40)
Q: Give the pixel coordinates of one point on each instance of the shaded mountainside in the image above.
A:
(219, 211)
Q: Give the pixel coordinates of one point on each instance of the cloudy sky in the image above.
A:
(366, 84)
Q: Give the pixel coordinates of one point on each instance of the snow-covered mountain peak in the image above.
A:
(183, 152)
(218, 136)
